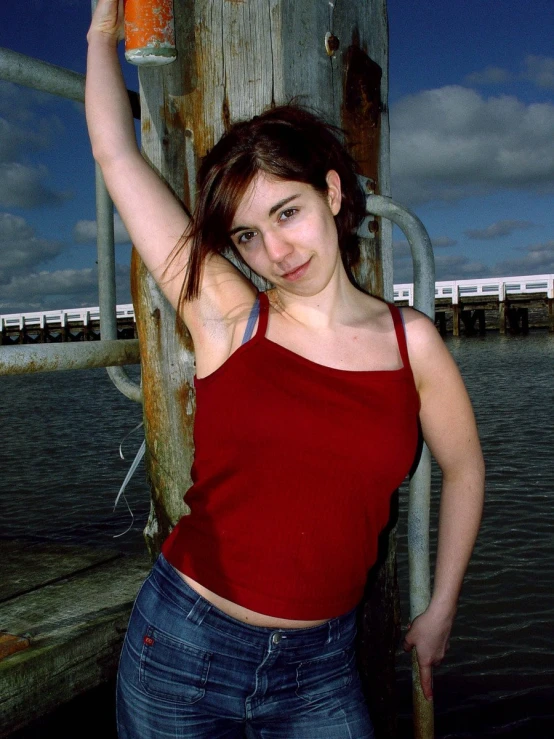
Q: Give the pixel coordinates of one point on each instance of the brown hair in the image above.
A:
(288, 143)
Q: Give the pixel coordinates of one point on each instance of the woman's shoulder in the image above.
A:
(427, 350)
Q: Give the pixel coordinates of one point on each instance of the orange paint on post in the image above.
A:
(149, 32)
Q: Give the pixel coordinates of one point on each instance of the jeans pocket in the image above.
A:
(330, 673)
(171, 669)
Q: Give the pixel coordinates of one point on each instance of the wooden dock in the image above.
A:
(63, 615)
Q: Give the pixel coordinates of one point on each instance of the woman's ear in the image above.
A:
(334, 191)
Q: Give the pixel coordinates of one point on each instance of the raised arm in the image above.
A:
(154, 218)
(448, 426)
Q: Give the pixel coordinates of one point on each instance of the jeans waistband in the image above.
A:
(199, 610)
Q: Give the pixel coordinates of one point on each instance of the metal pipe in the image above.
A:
(105, 245)
(24, 358)
(419, 501)
(24, 70)
(420, 245)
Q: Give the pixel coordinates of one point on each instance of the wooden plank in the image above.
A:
(76, 626)
(28, 565)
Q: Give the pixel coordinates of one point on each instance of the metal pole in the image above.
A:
(24, 70)
(105, 246)
(106, 284)
(420, 485)
(18, 360)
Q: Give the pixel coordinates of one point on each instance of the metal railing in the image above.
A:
(45, 77)
(419, 501)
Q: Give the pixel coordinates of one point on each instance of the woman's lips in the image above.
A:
(297, 273)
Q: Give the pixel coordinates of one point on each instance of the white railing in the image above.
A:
(59, 318)
(455, 290)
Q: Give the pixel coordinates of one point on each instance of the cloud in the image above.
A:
(441, 242)
(498, 229)
(20, 103)
(540, 70)
(67, 288)
(23, 186)
(17, 140)
(536, 69)
(488, 76)
(21, 250)
(401, 248)
(535, 259)
(25, 127)
(26, 123)
(84, 232)
(447, 266)
(451, 143)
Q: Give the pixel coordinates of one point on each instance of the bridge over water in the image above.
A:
(511, 304)
(462, 306)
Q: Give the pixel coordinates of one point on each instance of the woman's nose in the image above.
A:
(277, 248)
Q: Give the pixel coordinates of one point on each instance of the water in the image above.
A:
(61, 472)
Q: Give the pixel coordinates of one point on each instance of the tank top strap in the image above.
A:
(252, 318)
(264, 315)
(400, 330)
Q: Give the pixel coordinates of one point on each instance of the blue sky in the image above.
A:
(472, 137)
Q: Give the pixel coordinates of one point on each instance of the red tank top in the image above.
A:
(295, 464)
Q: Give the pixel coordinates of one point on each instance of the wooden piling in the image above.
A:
(456, 319)
(502, 316)
(234, 60)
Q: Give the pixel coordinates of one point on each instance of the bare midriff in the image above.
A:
(245, 614)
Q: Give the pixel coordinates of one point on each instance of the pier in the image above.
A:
(52, 326)
(507, 304)
(462, 307)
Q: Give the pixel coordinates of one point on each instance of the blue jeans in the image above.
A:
(189, 670)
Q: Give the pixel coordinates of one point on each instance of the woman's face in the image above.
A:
(285, 231)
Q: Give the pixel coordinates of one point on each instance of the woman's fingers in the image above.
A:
(109, 19)
(426, 680)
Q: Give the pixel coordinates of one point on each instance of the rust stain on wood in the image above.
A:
(361, 109)
(361, 119)
(226, 113)
(10, 644)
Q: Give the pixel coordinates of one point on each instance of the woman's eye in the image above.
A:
(288, 213)
(245, 237)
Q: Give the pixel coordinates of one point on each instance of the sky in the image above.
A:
(472, 147)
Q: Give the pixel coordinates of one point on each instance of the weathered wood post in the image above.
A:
(235, 59)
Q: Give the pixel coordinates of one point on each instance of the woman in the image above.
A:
(309, 398)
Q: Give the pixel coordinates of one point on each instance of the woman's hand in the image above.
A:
(429, 634)
(108, 21)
